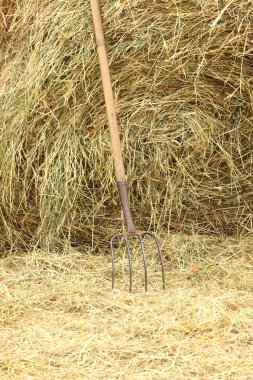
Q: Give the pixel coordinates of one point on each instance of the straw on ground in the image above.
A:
(60, 320)
(182, 77)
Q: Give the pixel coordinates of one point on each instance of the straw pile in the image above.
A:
(182, 77)
(59, 319)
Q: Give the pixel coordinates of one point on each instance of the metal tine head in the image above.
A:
(140, 235)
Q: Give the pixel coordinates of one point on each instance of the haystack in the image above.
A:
(182, 77)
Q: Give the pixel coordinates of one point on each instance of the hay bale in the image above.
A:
(182, 77)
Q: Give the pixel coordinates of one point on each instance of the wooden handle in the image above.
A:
(107, 86)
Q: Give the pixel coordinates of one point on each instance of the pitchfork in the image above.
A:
(118, 160)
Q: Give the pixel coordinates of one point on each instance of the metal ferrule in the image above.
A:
(122, 187)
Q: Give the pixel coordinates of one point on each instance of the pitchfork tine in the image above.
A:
(160, 255)
(113, 261)
(129, 260)
(130, 264)
(144, 263)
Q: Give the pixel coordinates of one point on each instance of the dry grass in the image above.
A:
(60, 320)
(182, 77)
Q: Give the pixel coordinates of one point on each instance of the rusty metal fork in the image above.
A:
(140, 235)
(132, 232)
(117, 156)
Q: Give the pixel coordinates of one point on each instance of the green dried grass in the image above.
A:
(182, 77)
(60, 320)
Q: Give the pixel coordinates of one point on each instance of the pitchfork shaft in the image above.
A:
(111, 114)
(107, 86)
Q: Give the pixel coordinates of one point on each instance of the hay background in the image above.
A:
(182, 77)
